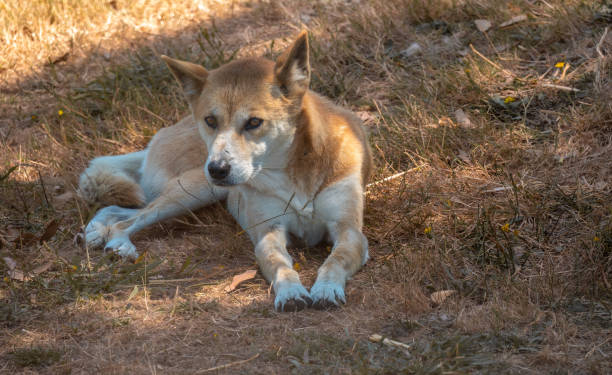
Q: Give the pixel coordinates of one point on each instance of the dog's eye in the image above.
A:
(253, 123)
(211, 121)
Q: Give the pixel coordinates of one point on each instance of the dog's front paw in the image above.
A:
(96, 233)
(122, 246)
(291, 297)
(327, 294)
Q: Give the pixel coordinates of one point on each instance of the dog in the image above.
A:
(286, 160)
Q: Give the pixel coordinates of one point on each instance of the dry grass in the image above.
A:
(512, 211)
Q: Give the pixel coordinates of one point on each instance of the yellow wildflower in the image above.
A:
(506, 227)
(560, 64)
(596, 239)
(34, 117)
(509, 99)
(296, 266)
(60, 112)
(427, 230)
(6, 279)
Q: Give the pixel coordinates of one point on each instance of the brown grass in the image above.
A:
(512, 211)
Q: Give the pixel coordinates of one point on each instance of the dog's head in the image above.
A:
(246, 110)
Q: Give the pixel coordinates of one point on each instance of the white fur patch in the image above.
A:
(342, 200)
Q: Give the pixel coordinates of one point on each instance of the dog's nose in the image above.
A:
(219, 169)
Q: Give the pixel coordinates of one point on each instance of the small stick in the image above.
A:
(489, 61)
(545, 73)
(42, 185)
(378, 338)
(559, 87)
(164, 121)
(216, 368)
(174, 301)
(601, 40)
(393, 177)
(400, 174)
(601, 59)
(565, 68)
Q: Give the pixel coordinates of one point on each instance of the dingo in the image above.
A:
(287, 160)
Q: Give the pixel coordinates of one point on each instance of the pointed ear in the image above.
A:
(192, 77)
(292, 69)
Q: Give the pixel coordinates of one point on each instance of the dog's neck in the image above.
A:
(310, 157)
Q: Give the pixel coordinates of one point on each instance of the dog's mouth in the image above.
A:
(223, 182)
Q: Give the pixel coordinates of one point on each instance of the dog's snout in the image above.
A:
(219, 169)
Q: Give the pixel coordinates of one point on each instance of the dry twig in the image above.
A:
(222, 367)
(600, 43)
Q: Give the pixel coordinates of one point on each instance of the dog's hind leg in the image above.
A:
(114, 180)
(189, 191)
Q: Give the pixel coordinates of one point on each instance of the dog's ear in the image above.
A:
(292, 69)
(192, 77)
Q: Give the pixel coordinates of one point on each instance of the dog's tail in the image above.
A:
(113, 180)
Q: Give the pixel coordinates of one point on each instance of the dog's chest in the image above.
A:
(277, 184)
(295, 206)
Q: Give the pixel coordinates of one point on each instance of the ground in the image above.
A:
(503, 135)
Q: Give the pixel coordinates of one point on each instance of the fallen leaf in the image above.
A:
(3, 241)
(25, 239)
(238, 279)
(10, 263)
(513, 20)
(8, 173)
(463, 119)
(482, 25)
(13, 272)
(446, 121)
(59, 59)
(50, 230)
(42, 268)
(441, 296)
(365, 116)
(63, 198)
(413, 49)
(464, 156)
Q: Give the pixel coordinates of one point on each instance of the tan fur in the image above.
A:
(300, 170)
(329, 143)
(106, 184)
(106, 189)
